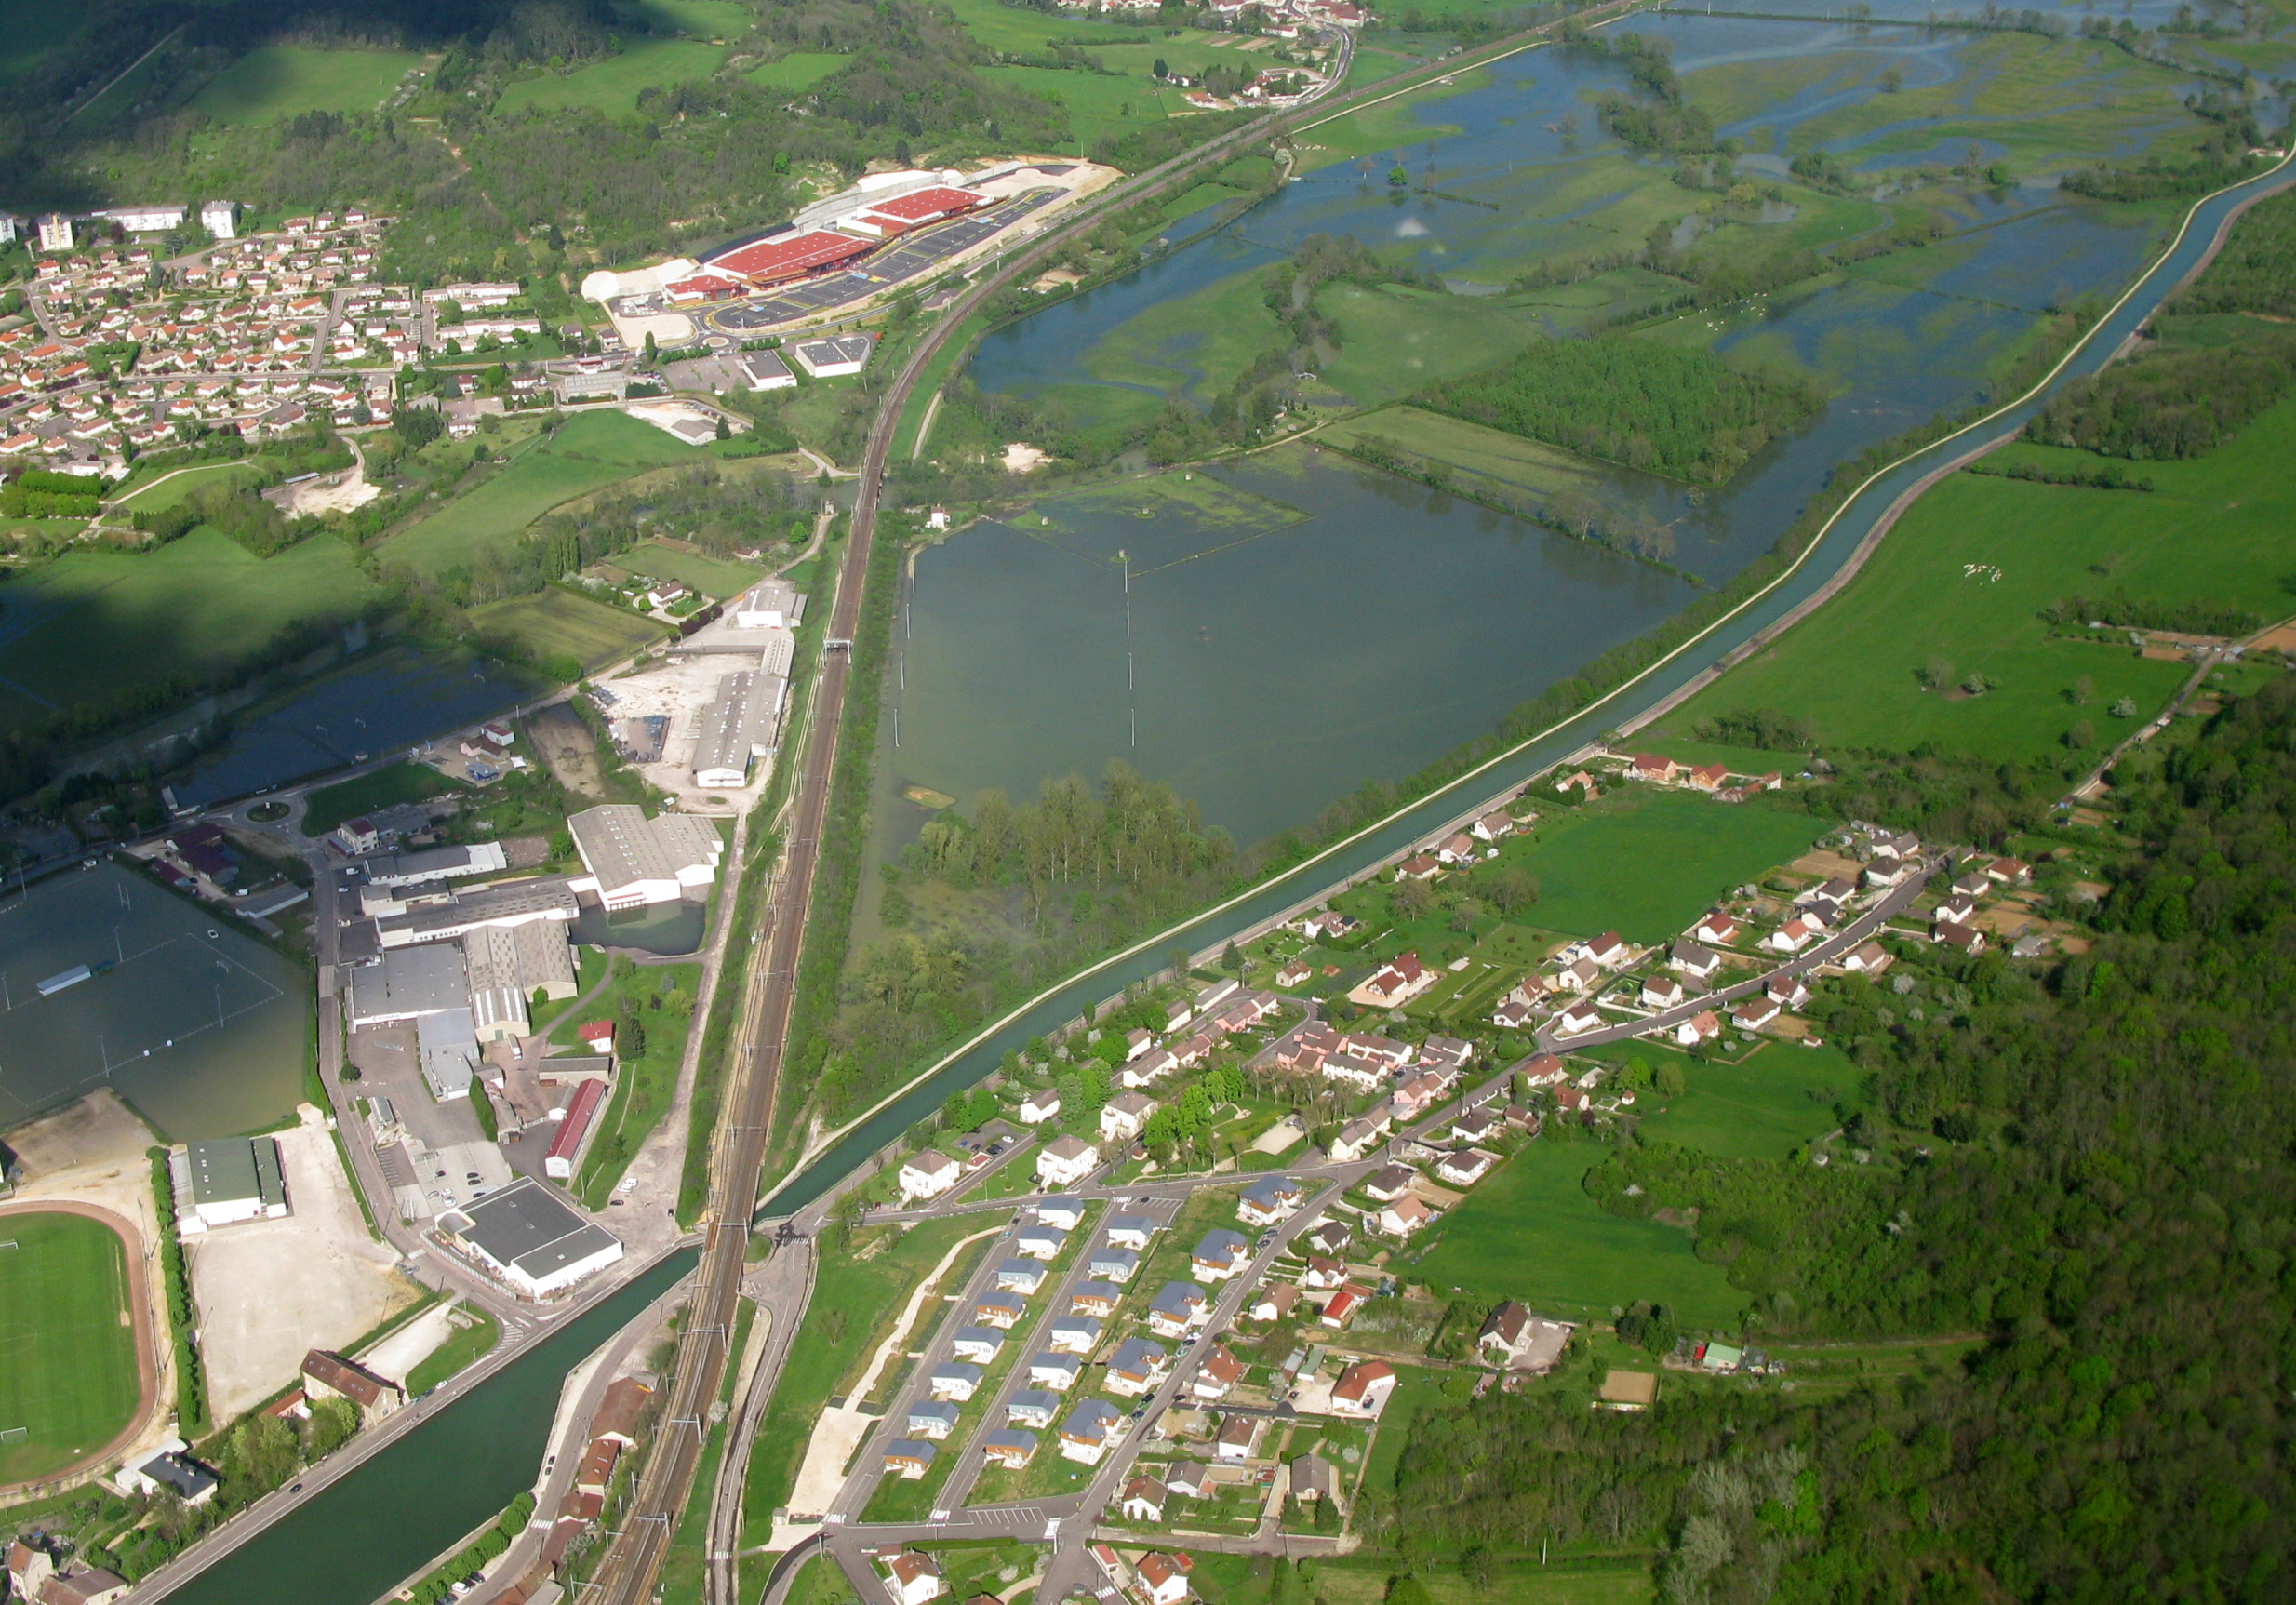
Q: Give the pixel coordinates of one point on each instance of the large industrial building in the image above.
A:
(738, 728)
(634, 861)
(530, 1238)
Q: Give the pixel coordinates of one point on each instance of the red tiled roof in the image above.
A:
(926, 205)
(786, 258)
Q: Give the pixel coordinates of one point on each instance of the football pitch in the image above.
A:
(68, 1381)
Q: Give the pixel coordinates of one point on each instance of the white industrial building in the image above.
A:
(225, 1182)
(766, 370)
(834, 357)
(220, 219)
(738, 728)
(634, 861)
(153, 220)
(530, 1238)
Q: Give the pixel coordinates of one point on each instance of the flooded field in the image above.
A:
(202, 1029)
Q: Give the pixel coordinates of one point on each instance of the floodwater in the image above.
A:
(200, 1028)
(658, 927)
(1269, 678)
(396, 697)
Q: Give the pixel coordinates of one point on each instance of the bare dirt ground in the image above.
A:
(338, 492)
(411, 1344)
(268, 1291)
(568, 750)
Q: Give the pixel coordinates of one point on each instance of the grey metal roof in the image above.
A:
(409, 982)
(530, 1227)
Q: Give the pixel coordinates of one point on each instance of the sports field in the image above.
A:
(1958, 586)
(67, 1344)
(280, 80)
(591, 450)
(1531, 1232)
(94, 623)
(553, 622)
(1647, 863)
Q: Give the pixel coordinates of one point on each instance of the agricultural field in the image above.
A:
(277, 81)
(1647, 863)
(1098, 106)
(1531, 1232)
(554, 622)
(67, 1350)
(798, 70)
(1959, 587)
(91, 624)
(590, 452)
(714, 577)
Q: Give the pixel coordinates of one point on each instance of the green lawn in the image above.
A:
(715, 578)
(463, 1348)
(591, 450)
(856, 1296)
(798, 70)
(1960, 585)
(554, 620)
(168, 490)
(1099, 105)
(612, 85)
(1646, 863)
(643, 1081)
(1531, 1232)
(67, 1353)
(91, 624)
(1763, 1107)
(277, 81)
(386, 787)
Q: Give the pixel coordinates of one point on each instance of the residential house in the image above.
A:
(1031, 1407)
(1216, 1375)
(1055, 1371)
(1577, 1019)
(1113, 1264)
(953, 1381)
(1039, 1242)
(1404, 1216)
(1694, 959)
(1390, 1183)
(1363, 1389)
(331, 1376)
(1136, 1366)
(1137, 1042)
(1897, 849)
(1129, 1231)
(1163, 1578)
(926, 1176)
(1342, 1307)
(1794, 935)
(1178, 1308)
(1176, 1015)
(1190, 1479)
(1064, 1161)
(1464, 1168)
(1447, 1055)
(1418, 1095)
(1359, 1136)
(1124, 1117)
(1704, 1028)
(1505, 1334)
(1356, 1070)
(1330, 1235)
(2008, 872)
(1097, 1300)
(1022, 1276)
(1327, 925)
(935, 1421)
(1662, 991)
(915, 1576)
(1706, 777)
(1147, 1070)
(1491, 826)
(1212, 994)
(1313, 1478)
(1828, 895)
(1457, 848)
(1787, 990)
(1143, 1499)
(1267, 1202)
(1294, 974)
(1973, 883)
(1871, 958)
(1090, 1429)
(1323, 1275)
(1219, 1256)
(1009, 1448)
(1060, 1209)
(1273, 1301)
(1419, 866)
(1475, 1125)
(1038, 1107)
(1754, 1013)
(1609, 950)
(1716, 929)
(1964, 938)
(1575, 976)
(910, 1459)
(979, 1345)
(1545, 1070)
(1073, 1334)
(1395, 984)
(1954, 911)
(1654, 768)
(1000, 1310)
(1239, 1436)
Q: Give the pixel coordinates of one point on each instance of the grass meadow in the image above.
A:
(170, 489)
(93, 623)
(611, 86)
(387, 787)
(1763, 1107)
(277, 81)
(1958, 588)
(856, 1298)
(465, 1346)
(554, 620)
(714, 577)
(67, 1353)
(590, 452)
(1647, 863)
(798, 70)
(643, 1081)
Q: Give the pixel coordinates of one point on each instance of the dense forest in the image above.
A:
(2256, 271)
(2177, 402)
(1662, 409)
(2089, 1165)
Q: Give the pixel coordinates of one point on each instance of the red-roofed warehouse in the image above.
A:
(770, 261)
